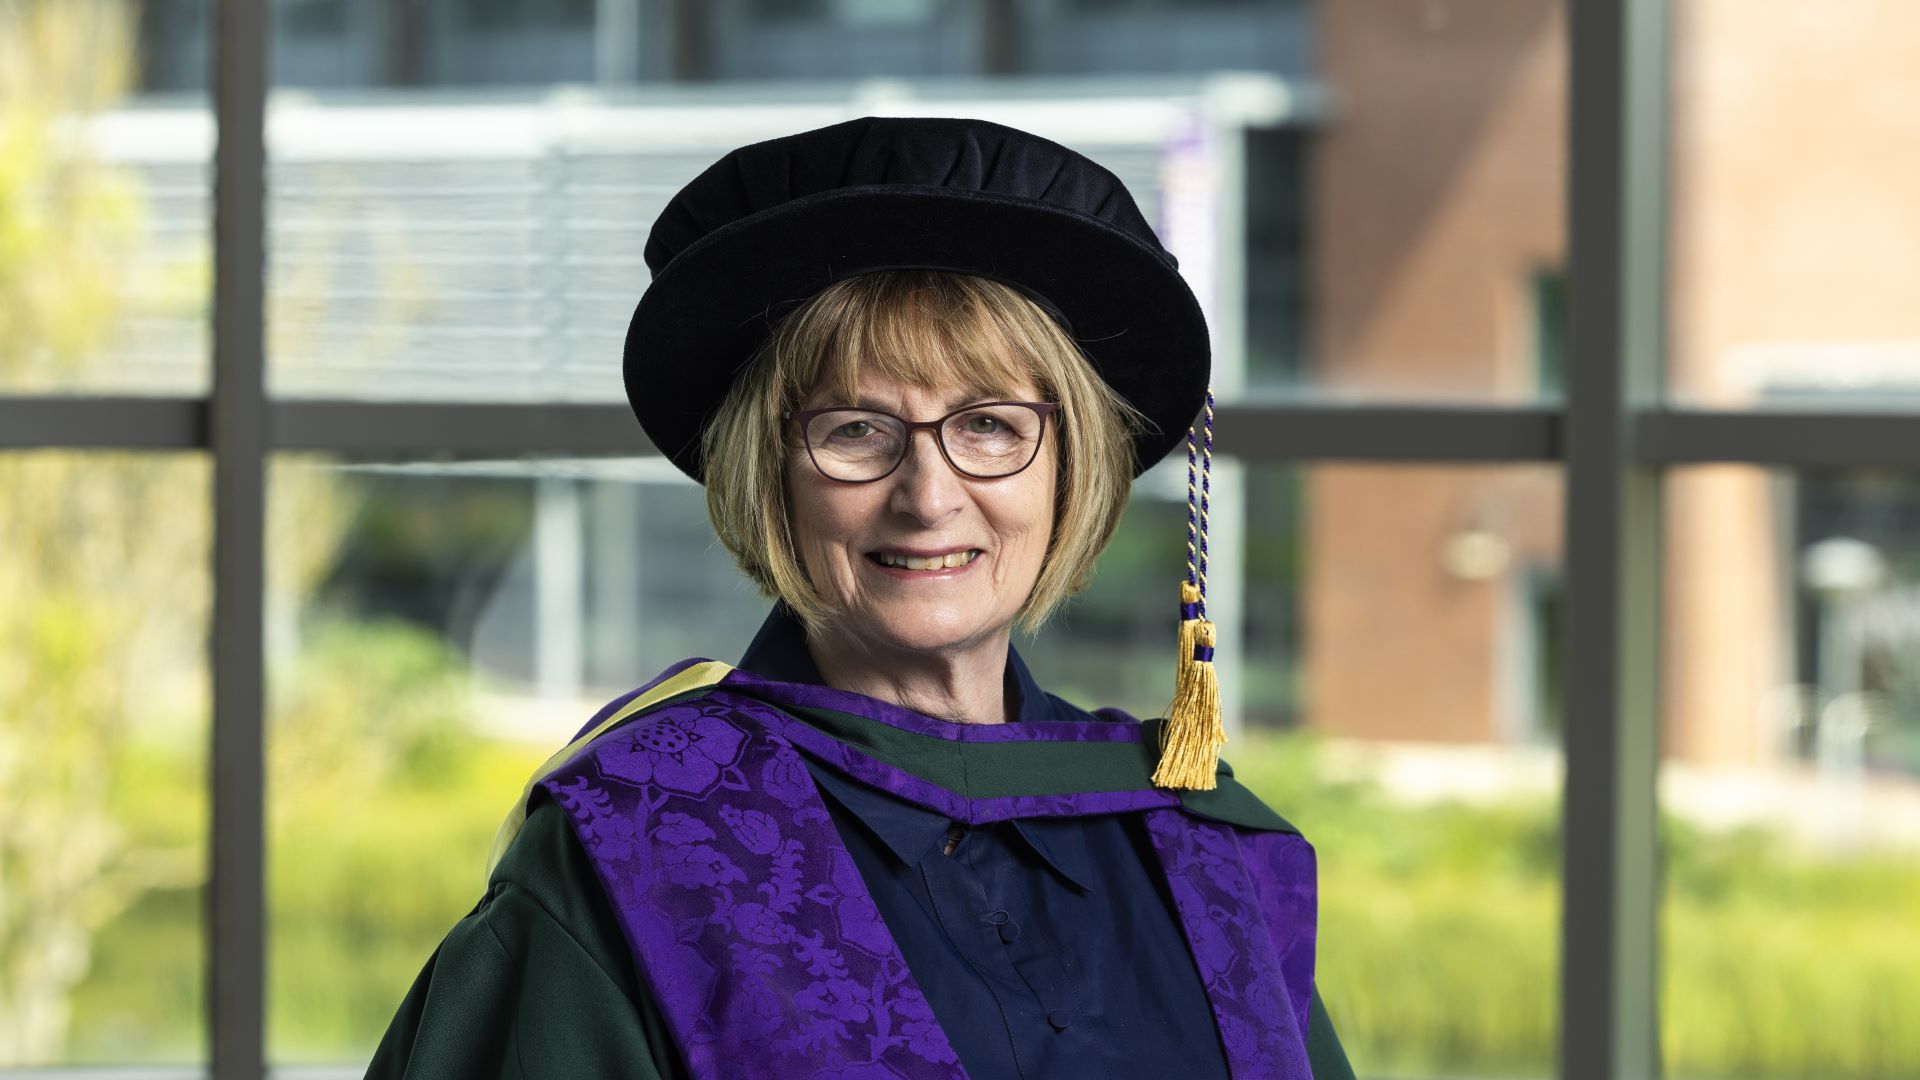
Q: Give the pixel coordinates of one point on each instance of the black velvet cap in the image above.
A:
(772, 223)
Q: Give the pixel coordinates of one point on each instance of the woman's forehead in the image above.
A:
(907, 399)
(929, 383)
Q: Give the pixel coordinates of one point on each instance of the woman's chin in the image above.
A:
(931, 628)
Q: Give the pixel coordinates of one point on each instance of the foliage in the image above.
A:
(103, 571)
(384, 811)
(67, 222)
(103, 706)
(367, 733)
(99, 642)
(364, 703)
(102, 556)
(142, 995)
(1439, 938)
(358, 914)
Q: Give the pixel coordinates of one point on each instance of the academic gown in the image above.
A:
(910, 899)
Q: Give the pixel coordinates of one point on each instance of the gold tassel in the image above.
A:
(1193, 734)
(1183, 671)
(1194, 731)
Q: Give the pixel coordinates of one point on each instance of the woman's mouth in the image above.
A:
(923, 564)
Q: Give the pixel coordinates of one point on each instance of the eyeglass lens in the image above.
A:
(985, 442)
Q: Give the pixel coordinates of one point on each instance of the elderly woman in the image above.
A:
(917, 364)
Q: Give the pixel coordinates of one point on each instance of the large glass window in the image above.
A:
(1433, 199)
(1432, 795)
(1790, 796)
(104, 589)
(439, 629)
(451, 212)
(1371, 203)
(1397, 641)
(1075, 37)
(501, 259)
(1795, 238)
(103, 760)
(104, 227)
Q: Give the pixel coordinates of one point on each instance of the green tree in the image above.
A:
(101, 562)
(67, 222)
(104, 575)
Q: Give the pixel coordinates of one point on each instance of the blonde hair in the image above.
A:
(929, 329)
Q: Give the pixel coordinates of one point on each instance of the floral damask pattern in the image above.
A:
(686, 750)
(756, 934)
(745, 911)
(1259, 1005)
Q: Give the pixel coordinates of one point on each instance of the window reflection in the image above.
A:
(1791, 790)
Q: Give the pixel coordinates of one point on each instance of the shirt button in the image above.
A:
(997, 918)
(1010, 932)
(1059, 1019)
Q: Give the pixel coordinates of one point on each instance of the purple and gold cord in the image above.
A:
(1200, 463)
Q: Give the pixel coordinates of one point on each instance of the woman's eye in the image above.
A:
(982, 425)
(854, 430)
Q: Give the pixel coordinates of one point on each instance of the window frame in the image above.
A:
(1612, 433)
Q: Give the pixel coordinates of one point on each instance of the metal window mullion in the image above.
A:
(1790, 438)
(1616, 200)
(87, 423)
(1263, 432)
(409, 428)
(1266, 431)
(1392, 432)
(237, 435)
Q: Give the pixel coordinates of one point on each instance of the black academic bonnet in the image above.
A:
(772, 223)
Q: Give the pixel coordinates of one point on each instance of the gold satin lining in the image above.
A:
(693, 678)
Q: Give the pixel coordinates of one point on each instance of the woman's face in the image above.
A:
(846, 533)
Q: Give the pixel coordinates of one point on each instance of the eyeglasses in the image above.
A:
(986, 441)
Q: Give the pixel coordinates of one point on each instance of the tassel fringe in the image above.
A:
(1194, 732)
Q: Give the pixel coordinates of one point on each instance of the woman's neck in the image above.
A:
(963, 685)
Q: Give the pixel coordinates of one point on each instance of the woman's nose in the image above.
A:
(925, 486)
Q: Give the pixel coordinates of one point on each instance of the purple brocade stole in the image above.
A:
(752, 928)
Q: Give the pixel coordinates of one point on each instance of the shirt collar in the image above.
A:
(1062, 843)
(909, 831)
(779, 652)
(913, 833)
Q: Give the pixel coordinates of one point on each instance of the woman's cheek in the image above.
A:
(840, 576)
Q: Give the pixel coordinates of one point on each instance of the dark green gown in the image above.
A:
(537, 982)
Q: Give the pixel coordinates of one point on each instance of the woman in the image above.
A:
(916, 363)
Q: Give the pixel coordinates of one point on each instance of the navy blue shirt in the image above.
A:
(1047, 947)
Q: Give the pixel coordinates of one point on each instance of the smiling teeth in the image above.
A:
(934, 562)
